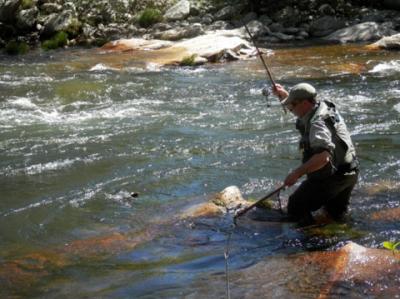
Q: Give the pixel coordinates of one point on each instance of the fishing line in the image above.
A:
(269, 74)
(232, 230)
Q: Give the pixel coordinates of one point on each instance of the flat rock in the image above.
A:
(388, 42)
(212, 46)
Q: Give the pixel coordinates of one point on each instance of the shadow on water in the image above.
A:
(80, 131)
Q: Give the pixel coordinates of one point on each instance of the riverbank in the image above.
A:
(37, 23)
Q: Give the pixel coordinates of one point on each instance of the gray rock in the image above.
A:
(362, 32)
(59, 22)
(257, 29)
(292, 30)
(162, 27)
(219, 25)
(178, 12)
(266, 20)
(283, 37)
(27, 18)
(207, 19)
(325, 25)
(180, 33)
(49, 8)
(276, 27)
(326, 9)
(226, 13)
(69, 6)
(8, 10)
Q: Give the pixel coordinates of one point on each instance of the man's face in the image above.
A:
(300, 108)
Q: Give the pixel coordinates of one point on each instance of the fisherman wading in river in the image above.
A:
(329, 158)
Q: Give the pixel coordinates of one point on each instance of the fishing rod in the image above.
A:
(264, 63)
(245, 210)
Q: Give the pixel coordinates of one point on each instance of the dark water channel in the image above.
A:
(80, 131)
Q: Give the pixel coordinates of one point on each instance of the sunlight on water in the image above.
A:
(80, 134)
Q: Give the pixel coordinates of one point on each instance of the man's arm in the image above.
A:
(316, 162)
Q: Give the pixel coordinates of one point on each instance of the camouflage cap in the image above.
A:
(300, 92)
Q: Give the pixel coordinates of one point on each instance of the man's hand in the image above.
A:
(292, 177)
(279, 91)
(316, 162)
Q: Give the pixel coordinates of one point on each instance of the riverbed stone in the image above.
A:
(59, 22)
(362, 32)
(178, 12)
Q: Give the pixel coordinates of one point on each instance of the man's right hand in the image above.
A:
(280, 91)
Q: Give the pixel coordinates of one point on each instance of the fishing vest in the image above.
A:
(343, 156)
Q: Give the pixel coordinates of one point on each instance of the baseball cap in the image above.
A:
(300, 92)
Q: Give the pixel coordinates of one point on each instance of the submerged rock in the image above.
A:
(353, 271)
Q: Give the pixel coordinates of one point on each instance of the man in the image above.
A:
(329, 158)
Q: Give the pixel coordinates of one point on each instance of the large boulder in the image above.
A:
(213, 46)
(178, 12)
(388, 42)
(325, 26)
(361, 32)
(65, 21)
(27, 18)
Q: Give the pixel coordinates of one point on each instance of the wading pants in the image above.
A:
(332, 193)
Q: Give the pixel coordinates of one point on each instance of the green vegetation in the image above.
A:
(149, 17)
(26, 4)
(391, 246)
(59, 40)
(16, 48)
(189, 60)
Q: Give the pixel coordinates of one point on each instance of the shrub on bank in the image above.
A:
(16, 48)
(59, 40)
(150, 16)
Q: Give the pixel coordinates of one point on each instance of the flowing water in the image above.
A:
(80, 131)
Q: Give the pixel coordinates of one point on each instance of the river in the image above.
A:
(82, 130)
